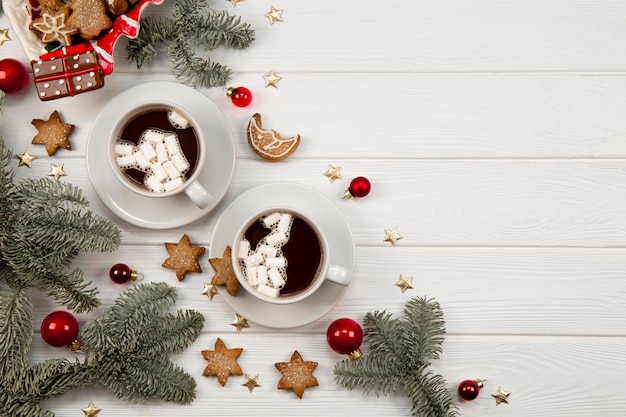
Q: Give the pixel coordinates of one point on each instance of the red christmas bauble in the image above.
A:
(359, 187)
(13, 76)
(240, 96)
(59, 328)
(469, 389)
(345, 336)
(120, 273)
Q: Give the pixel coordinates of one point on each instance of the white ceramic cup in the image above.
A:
(191, 185)
(325, 271)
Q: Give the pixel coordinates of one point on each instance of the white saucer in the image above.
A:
(166, 212)
(325, 214)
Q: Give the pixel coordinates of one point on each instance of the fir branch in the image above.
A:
(429, 394)
(381, 332)
(371, 376)
(173, 333)
(16, 328)
(424, 330)
(194, 25)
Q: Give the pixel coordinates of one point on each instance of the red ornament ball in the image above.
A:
(359, 187)
(120, 273)
(469, 389)
(59, 328)
(13, 76)
(344, 336)
(240, 96)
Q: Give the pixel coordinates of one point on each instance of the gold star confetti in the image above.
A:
(25, 159)
(4, 35)
(501, 396)
(272, 79)
(240, 323)
(274, 15)
(234, 2)
(56, 171)
(405, 282)
(252, 382)
(209, 290)
(333, 173)
(91, 410)
(392, 236)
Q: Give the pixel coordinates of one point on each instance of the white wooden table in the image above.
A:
(494, 135)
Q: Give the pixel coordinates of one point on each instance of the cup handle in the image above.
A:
(338, 274)
(198, 194)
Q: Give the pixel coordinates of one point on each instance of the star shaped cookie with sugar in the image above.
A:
(53, 133)
(183, 257)
(297, 374)
(53, 27)
(224, 273)
(222, 362)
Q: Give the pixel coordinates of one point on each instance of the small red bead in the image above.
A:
(469, 389)
(360, 187)
(13, 76)
(240, 96)
(344, 336)
(59, 328)
(120, 273)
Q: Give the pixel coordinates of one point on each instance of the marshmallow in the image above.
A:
(161, 151)
(177, 119)
(268, 251)
(243, 249)
(148, 151)
(154, 184)
(267, 291)
(284, 223)
(261, 274)
(171, 141)
(253, 260)
(142, 161)
(276, 239)
(123, 149)
(275, 277)
(173, 184)
(126, 161)
(180, 162)
(271, 219)
(158, 171)
(171, 170)
(275, 262)
(251, 276)
(152, 136)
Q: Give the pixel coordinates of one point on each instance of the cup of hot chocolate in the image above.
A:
(280, 256)
(157, 150)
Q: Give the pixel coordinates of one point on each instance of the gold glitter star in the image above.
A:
(274, 15)
(333, 173)
(405, 282)
(240, 323)
(56, 171)
(501, 396)
(4, 35)
(392, 236)
(25, 159)
(90, 411)
(272, 79)
(252, 382)
(234, 2)
(209, 290)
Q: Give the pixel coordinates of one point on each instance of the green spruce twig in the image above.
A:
(400, 352)
(194, 25)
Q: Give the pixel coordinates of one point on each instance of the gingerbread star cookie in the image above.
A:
(53, 133)
(89, 17)
(183, 257)
(222, 362)
(224, 274)
(297, 374)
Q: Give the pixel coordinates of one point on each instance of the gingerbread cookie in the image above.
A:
(52, 133)
(89, 17)
(117, 7)
(297, 374)
(267, 143)
(183, 257)
(224, 273)
(222, 362)
(52, 25)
